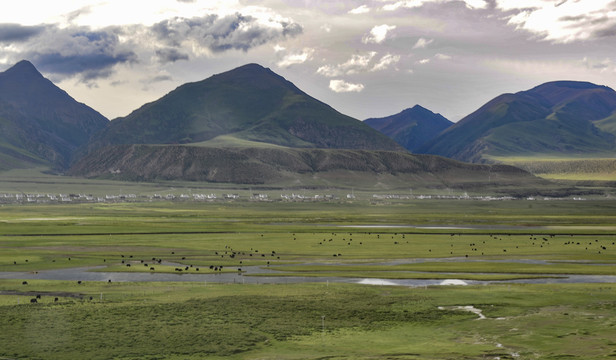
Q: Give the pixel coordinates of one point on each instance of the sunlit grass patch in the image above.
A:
(565, 168)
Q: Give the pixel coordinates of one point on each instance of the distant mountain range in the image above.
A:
(562, 118)
(40, 124)
(251, 126)
(411, 128)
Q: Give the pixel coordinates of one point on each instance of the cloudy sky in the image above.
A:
(365, 58)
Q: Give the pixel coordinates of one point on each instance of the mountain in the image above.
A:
(251, 126)
(412, 127)
(248, 103)
(40, 124)
(554, 119)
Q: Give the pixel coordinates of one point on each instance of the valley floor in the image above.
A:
(498, 248)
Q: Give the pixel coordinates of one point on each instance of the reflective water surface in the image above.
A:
(86, 274)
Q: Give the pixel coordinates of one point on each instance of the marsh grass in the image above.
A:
(178, 320)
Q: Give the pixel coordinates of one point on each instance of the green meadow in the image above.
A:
(491, 242)
(311, 321)
(555, 167)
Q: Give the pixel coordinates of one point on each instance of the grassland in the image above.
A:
(565, 168)
(311, 321)
(394, 239)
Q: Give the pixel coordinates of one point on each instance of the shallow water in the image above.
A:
(85, 274)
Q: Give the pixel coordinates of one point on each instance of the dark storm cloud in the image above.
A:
(218, 34)
(80, 51)
(606, 32)
(87, 66)
(170, 55)
(66, 52)
(17, 33)
(601, 26)
(160, 78)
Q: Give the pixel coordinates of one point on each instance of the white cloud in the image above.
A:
(360, 10)
(404, 4)
(340, 86)
(562, 21)
(356, 64)
(378, 34)
(296, 58)
(422, 43)
(385, 62)
(471, 4)
(216, 34)
(329, 71)
(600, 65)
(423, 61)
(442, 57)
(507, 5)
(99, 14)
(476, 4)
(87, 39)
(558, 21)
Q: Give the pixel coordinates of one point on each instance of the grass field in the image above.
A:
(565, 168)
(309, 321)
(396, 239)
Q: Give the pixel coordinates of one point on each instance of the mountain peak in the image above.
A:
(40, 119)
(253, 74)
(251, 66)
(556, 92)
(247, 70)
(24, 68)
(250, 102)
(419, 110)
(569, 84)
(411, 127)
(23, 80)
(24, 64)
(559, 117)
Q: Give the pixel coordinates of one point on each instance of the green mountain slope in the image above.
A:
(412, 127)
(558, 118)
(251, 103)
(39, 122)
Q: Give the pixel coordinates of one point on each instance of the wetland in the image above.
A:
(276, 280)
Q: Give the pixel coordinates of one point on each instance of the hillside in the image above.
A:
(40, 124)
(300, 168)
(251, 103)
(553, 119)
(412, 127)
